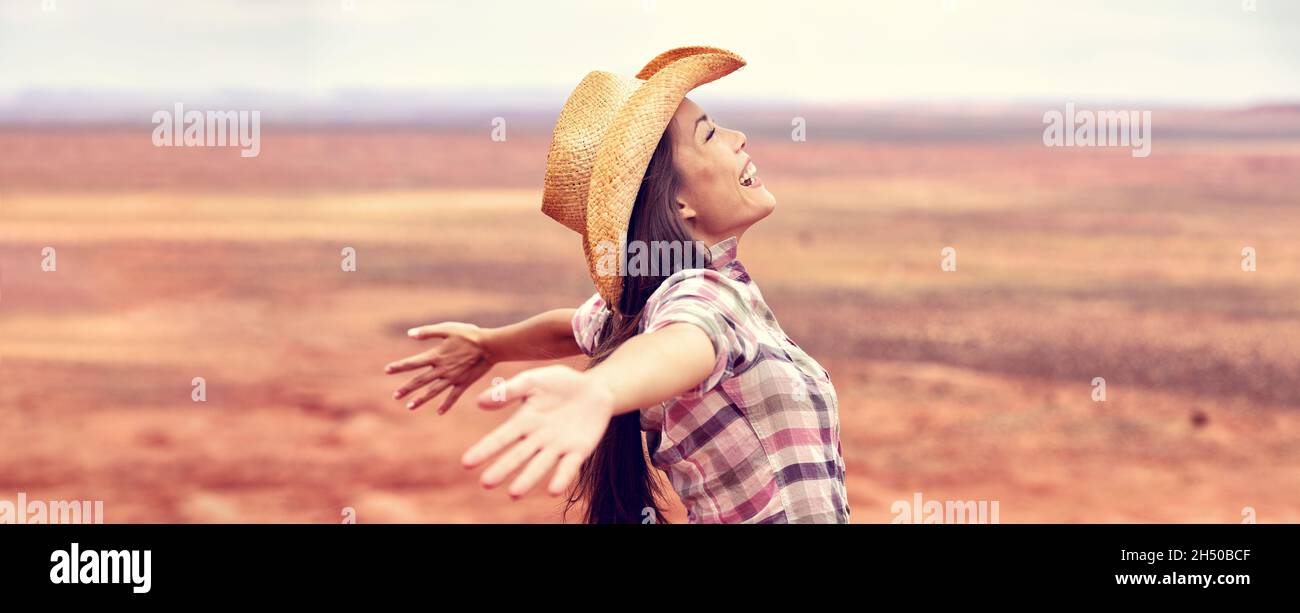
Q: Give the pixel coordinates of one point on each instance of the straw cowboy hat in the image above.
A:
(603, 141)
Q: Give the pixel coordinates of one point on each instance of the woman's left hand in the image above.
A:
(562, 418)
(455, 363)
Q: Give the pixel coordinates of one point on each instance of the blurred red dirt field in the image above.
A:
(973, 385)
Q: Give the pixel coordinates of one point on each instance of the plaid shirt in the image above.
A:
(758, 440)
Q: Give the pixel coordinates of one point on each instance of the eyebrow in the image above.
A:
(704, 117)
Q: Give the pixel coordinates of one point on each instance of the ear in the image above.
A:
(686, 211)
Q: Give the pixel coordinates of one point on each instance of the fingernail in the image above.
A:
(412, 332)
(397, 394)
(411, 405)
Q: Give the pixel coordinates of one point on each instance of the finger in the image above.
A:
(433, 331)
(501, 395)
(452, 397)
(424, 379)
(495, 441)
(434, 390)
(566, 473)
(411, 363)
(536, 469)
(510, 461)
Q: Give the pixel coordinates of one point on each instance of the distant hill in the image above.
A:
(533, 112)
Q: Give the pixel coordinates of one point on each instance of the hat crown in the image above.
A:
(578, 133)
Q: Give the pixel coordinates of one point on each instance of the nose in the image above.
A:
(741, 139)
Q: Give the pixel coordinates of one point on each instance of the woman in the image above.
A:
(682, 344)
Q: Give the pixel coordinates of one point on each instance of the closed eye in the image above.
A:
(711, 131)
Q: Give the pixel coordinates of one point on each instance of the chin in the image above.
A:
(765, 202)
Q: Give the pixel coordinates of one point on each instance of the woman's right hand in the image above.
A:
(561, 420)
(455, 363)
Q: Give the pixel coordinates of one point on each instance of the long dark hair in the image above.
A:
(617, 481)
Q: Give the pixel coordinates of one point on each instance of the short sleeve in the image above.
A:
(719, 307)
(587, 323)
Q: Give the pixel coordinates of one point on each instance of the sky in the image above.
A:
(1176, 51)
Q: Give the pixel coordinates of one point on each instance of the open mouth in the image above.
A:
(749, 176)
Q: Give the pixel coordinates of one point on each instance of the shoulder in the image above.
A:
(701, 288)
(588, 321)
(718, 305)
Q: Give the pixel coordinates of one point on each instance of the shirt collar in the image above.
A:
(722, 258)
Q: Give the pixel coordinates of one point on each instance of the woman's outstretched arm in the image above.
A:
(651, 368)
(565, 412)
(545, 336)
(467, 352)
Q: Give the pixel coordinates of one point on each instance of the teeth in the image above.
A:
(747, 177)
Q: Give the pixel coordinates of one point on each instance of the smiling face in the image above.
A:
(720, 194)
